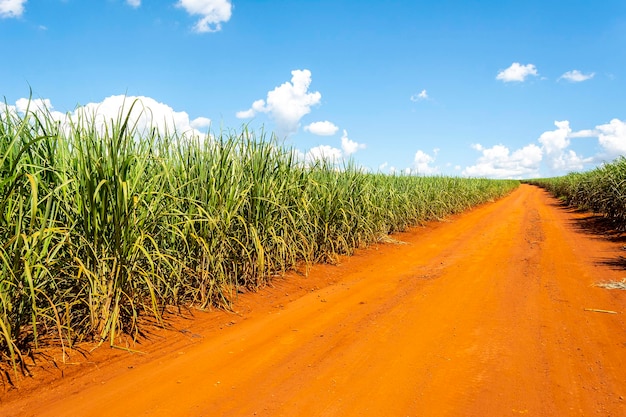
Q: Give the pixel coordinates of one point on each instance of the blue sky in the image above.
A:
(470, 88)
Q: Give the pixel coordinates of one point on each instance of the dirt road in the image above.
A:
(492, 313)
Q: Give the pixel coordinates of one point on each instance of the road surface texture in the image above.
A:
(494, 312)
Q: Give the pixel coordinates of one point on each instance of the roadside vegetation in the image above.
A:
(601, 191)
(104, 225)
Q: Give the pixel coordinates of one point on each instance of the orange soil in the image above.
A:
(487, 314)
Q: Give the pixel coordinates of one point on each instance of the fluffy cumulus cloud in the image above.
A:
(422, 163)
(560, 159)
(324, 128)
(555, 141)
(334, 155)
(552, 152)
(499, 162)
(287, 103)
(554, 144)
(201, 123)
(36, 105)
(257, 107)
(390, 169)
(612, 138)
(41, 108)
(349, 146)
(517, 72)
(145, 114)
(212, 13)
(576, 76)
(11, 8)
(324, 153)
(134, 3)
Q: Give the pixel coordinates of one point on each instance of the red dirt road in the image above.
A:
(492, 313)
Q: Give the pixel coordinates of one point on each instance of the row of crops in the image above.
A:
(602, 190)
(103, 225)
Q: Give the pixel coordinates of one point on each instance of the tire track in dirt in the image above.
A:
(480, 315)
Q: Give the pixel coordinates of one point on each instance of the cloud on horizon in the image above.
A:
(422, 163)
(550, 155)
(554, 147)
(612, 139)
(331, 154)
(145, 115)
(349, 146)
(499, 162)
(551, 151)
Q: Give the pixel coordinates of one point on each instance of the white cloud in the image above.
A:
(324, 153)
(612, 137)
(33, 105)
(349, 146)
(392, 170)
(422, 163)
(331, 154)
(40, 107)
(423, 95)
(568, 161)
(134, 3)
(287, 103)
(11, 8)
(324, 128)
(201, 123)
(517, 72)
(257, 107)
(587, 133)
(245, 114)
(576, 76)
(499, 162)
(146, 114)
(554, 152)
(555, 141)
(6, 109)
(554, 146)
(213, 13)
